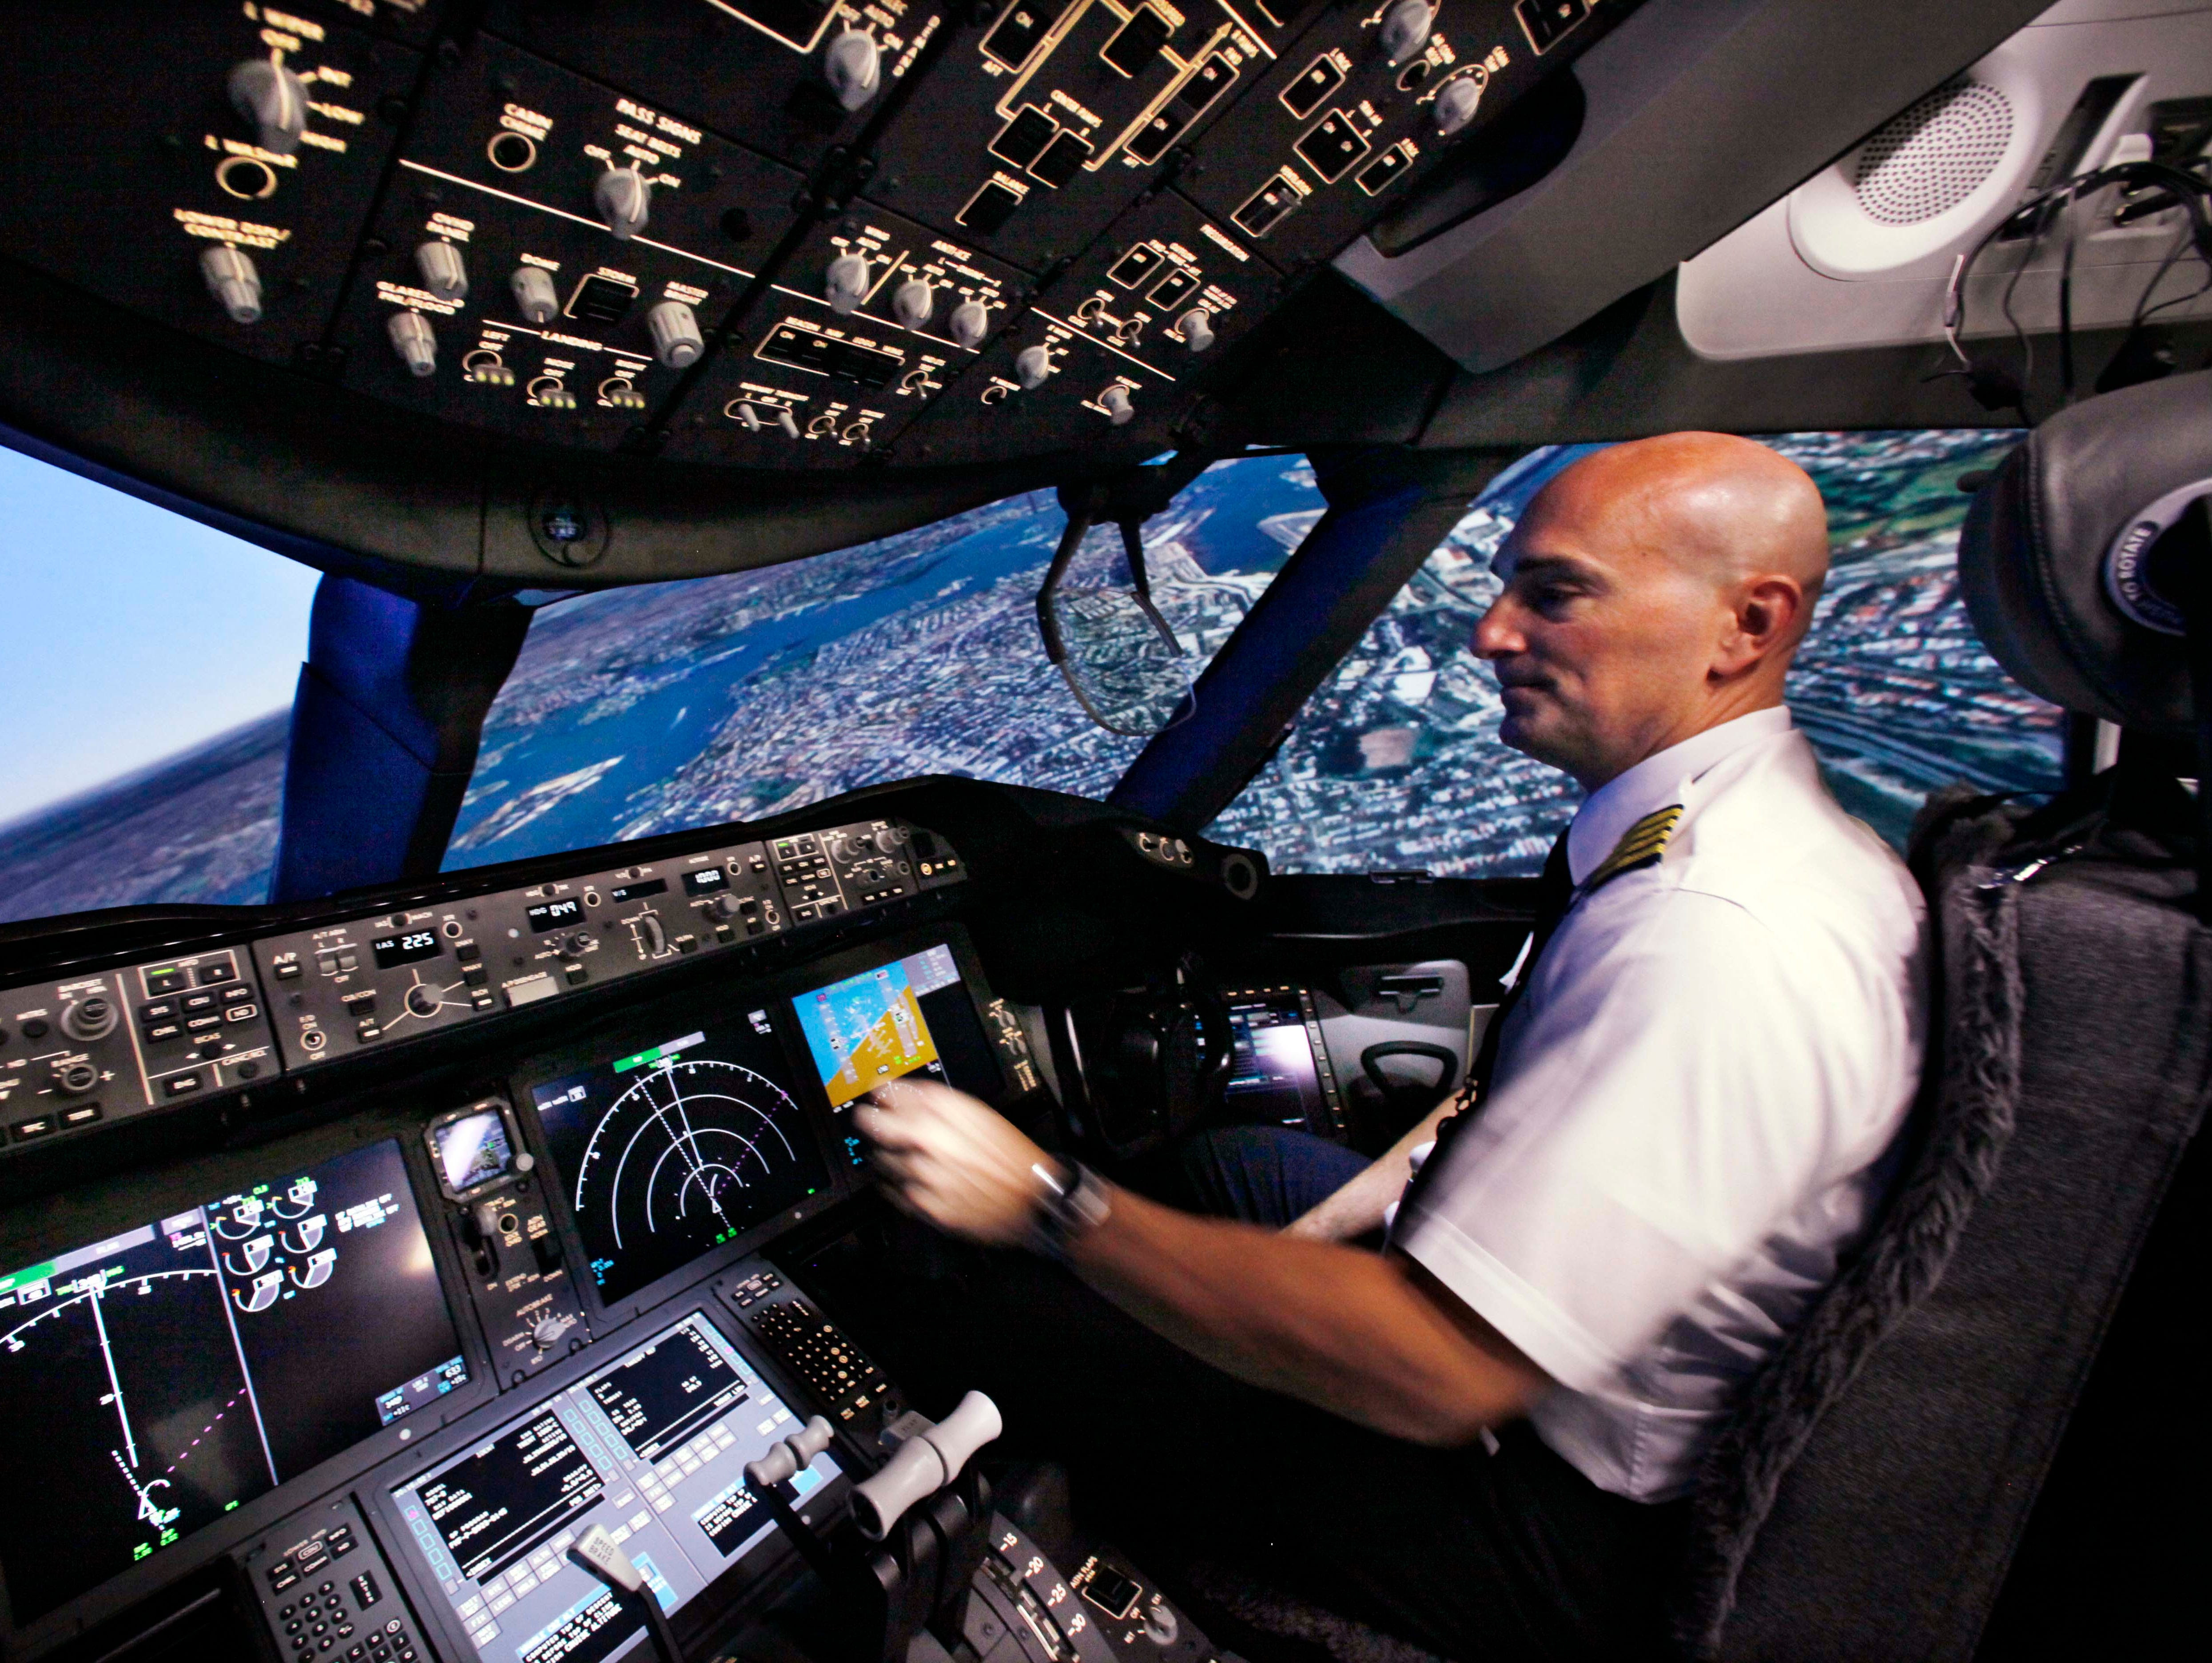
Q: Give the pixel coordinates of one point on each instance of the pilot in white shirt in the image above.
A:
(1683, 1130)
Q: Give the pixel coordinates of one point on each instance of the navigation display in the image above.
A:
(652, 1446)
(162, 1377)
(1273, 1078)
(678, 1148)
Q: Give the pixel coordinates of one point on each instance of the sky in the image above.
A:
(127, 633)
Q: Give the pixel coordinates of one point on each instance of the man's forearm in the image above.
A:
(1363, 1336)
(1358, 1208)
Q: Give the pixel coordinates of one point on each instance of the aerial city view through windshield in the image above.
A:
(653, 709)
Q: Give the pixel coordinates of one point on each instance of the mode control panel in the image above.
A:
(325, 1592)
(83, 1051)
(348, 988)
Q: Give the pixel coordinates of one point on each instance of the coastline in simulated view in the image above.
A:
(650, 710)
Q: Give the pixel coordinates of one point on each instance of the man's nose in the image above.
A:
(1496, 633)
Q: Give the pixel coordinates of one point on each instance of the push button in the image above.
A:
(180, 1085)
(288, 970)
(220, 970)
(237, 994)
(24, 1131)
(192, 1003)
(82, 1115)
(166, 981)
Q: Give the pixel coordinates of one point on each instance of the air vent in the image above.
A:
(1929, 159)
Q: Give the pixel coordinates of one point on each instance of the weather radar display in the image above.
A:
(678, 1148)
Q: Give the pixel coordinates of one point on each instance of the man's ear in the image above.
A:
(1768, 616)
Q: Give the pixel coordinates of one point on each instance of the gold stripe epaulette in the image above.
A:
(1640, 845)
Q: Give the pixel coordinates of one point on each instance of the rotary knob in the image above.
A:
(888, 840)
(273, 101)
(534, 294)
(423, 999)
(722, 907)
(676, 339)
(655, 937)
(854, 67)
(969, 323)
(233, 281)
(913, 302)
(845, 285)
(1197, 327)
(73, 1079)
(93, 1018)
(1115, 401)
(1405, 29)
(625, 197)
(545, 1332)
(1031, 366)
(443, 272)
(412, 340)
(1455, 104)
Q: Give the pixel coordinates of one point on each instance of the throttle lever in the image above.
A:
(924, 1464)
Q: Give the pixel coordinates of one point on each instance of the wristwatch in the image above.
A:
(1071, 1204)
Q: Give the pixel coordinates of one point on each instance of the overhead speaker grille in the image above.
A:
(1931, 158)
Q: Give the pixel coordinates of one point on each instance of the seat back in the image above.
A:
(1865, 1495)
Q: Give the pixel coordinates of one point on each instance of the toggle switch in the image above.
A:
(676, 339)
(443, 272)
(1405, 29)
(233, 281)
(1031, 366)
(1115, 401)
(534, 295)
(969, 323)
(1455, 104)
(625, 197)
(854, 67)
(273, 101)
(789, 423)
(913, 302)
(412, 340)
(847, 283)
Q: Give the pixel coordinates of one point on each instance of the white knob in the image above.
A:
(623, 195)
(443, 273)
(751, 417)
(534, 295)
(1405, 29)
(1031, 366)
(853, 67)
(968, 324)
(274, 99)
(789, 423)
(412, 340)
(848, 283)
(1197, 327)
(1455, 103)
(811, 1439)
(676, 339)
(233, 281)
(1115, 401)
(914, 303)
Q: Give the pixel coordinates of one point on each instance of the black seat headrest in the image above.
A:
(2061, 560)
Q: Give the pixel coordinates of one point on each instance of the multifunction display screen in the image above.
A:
(913, 1015)
(162, 1377)
(473, 1150)
(652, 1446)
(1274, 1076)
(677, 1147)
(554, 914)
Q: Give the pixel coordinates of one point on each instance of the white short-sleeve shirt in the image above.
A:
(1691, 1104)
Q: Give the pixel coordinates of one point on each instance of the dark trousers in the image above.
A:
(1470, 1554)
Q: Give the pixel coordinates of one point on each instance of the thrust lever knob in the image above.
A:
(1031, 366)
(233, 281)
(1455, 104)
(1405, 29)
(1115, 401)
(274, 100)
(968, 324)
(676, 339)
(625, 197)
(845, 283)
(854, 67)
(914, 303)
(534, 295)
(412, 340)
(443, 271)
(923, 1465)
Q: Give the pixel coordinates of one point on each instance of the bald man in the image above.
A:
(1676, 1129)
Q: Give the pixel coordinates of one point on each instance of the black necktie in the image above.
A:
(1555, 893)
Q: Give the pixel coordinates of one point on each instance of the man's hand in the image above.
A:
(954, 1161)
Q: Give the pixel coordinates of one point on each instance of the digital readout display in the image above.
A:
(639, 890)
(710, 880)
(405, 948)
(554, 914)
